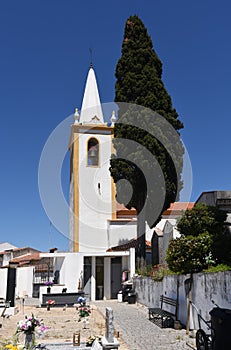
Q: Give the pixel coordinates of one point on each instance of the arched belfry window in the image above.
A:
(93, 152)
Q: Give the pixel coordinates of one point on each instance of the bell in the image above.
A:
(92, 153)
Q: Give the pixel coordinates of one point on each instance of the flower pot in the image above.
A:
(48, 307)
(29, 341)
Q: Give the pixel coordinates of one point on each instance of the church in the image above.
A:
(92, 190)
(97, 222)
(102, 232)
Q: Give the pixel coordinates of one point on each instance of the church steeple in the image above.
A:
(91, 111)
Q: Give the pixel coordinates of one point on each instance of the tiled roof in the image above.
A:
(130, 244)
(177, 207)
(121, 210)
(9, 250)
(26, 259)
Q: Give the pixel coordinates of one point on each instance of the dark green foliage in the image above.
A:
(139, 72)
(188, 254)
(202, 218)
(138, 75)
(200, 221)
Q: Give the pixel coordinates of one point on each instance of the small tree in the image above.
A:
(204, 235)
(189, 254)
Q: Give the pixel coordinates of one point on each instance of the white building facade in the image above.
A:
(94, 226)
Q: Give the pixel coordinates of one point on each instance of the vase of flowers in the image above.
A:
(84, 313)
(83, 310)
(82, 301)
(29, 341)
(49, 284)
(28, 327)
(49, 304)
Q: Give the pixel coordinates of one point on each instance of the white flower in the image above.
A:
(29, 324)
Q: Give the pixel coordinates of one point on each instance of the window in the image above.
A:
(93, 152)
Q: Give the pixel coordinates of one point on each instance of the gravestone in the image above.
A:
(109, 341)
(96, 345)
(109, 325)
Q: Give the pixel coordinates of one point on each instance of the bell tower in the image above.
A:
(92, 191)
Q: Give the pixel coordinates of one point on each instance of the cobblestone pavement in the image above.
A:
(134, 327)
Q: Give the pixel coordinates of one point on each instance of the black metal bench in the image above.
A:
(162, 317)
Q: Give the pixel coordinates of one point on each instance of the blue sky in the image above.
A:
(43, 65)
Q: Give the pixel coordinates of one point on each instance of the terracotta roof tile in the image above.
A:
(26, 259)
(130, 244)
(177, 207)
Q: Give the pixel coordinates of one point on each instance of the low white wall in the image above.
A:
(205, 287)
(24, 281)
(3, 283)
(71, 271)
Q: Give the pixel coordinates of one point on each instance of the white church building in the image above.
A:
(96, 224)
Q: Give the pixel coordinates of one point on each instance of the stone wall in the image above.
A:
(205, 287)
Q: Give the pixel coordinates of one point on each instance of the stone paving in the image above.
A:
(134, 327)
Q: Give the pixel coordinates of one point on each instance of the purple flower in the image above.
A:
(49, 283)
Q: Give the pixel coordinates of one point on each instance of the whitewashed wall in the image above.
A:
(120, 232)
(3, 283)
(24, 281)
(95, 197)
(71, 269)
(206, 287)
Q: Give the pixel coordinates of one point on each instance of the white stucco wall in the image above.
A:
(70, 271)
(95, 194)
(120, 232)
(6, 258)
(24, 281)
(3, 283)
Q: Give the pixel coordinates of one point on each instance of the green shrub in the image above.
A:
(158, 272)
(218, 268)
(188, 254)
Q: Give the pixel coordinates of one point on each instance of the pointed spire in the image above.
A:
(91, 111)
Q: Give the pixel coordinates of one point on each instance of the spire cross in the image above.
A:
(90, 49)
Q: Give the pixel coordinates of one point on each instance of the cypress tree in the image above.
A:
(139, 82)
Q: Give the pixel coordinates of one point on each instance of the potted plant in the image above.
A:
(49, 304)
